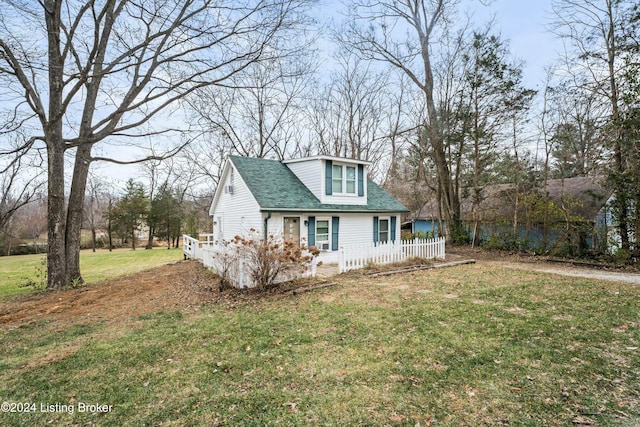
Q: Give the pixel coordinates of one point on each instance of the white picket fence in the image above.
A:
(226, 257)
(353, 257)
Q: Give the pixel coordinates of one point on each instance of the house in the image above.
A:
(320, 201)
(609, 228)
(425, 221)
(577, 201)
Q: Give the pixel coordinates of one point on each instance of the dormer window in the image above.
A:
(344, 179)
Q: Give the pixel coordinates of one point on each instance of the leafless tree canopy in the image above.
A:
(90, 71)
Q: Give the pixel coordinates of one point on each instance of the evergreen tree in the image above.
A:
(166, 214)
(128, 215)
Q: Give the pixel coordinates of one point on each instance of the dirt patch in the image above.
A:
(180, 285)
(184, 286)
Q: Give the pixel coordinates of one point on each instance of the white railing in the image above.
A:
(193, 248)
(226, 258)
(353, 257)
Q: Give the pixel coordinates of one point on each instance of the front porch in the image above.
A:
(349, 257)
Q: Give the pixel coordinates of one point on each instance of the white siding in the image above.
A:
(358, 228)
(275, 225)
(355, 228)
(344, 199)
(238, 211)
(310, 173)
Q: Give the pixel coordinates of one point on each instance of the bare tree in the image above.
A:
(258, 116)
(155, 181)
(99, 189)
(403, 34)
(354, 115)
(90, 72)
(21, 179)
(579, 136)
(600, 35)
(30, 222)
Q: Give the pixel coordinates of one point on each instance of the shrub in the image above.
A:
(424, 235)
(265, 262)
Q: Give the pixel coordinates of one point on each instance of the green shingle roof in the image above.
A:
(276, 188)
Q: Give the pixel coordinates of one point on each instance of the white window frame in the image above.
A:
(343, 179)
(328, 241)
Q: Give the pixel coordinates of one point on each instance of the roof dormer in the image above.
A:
(333, 180)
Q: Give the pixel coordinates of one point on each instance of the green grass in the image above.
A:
(466, 346)
(95, 266)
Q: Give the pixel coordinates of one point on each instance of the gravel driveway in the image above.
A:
(589, 273)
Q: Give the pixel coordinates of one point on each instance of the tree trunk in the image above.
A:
(619, 164)
(74, 214)
(56, 257)
(621, 200)
(451, 203)
(150, 238)
(109, 230)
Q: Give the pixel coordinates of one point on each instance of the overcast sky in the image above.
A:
(525, 24)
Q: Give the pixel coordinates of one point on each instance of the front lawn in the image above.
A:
(15, 271)
(466, 346)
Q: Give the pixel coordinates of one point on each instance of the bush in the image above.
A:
(459, 234)
(573, 243)
(421, 235)
(265, 262)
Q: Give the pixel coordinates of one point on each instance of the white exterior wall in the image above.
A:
(354, 228)
(275, 225)
(234, 213)
(345, 199)
(310, 173)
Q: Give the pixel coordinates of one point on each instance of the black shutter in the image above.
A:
(335, 222)
(360, 180)
(328, 178)
(375, 229)
(311, 233)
